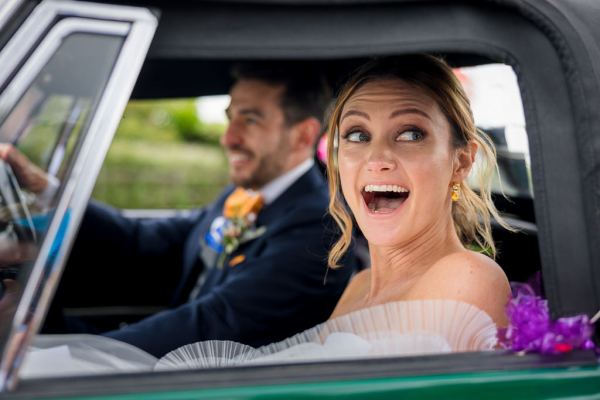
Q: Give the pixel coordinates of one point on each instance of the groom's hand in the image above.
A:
(14, 253)
(29, 175)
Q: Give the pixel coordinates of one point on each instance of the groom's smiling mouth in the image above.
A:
(384, 199)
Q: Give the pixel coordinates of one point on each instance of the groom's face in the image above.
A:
(256, 141)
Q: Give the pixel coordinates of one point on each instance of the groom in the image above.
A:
(250, 267)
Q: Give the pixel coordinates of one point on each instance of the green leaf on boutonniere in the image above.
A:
(252, 234)
(239, 231)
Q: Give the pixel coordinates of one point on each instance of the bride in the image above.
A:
(402, 142)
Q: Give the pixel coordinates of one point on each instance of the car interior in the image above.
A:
(82, 294)
(165, 75)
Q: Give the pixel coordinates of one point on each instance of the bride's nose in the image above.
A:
(381, 159)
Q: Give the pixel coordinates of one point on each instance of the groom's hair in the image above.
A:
(306, 92)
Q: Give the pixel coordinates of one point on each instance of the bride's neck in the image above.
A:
(401, 265)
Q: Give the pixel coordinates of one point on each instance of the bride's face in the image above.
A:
(395, 162)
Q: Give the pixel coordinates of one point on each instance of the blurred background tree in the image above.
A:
(163, 156)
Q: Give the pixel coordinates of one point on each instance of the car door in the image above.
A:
(66, 72)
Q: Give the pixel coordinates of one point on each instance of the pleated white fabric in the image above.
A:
(393, 329)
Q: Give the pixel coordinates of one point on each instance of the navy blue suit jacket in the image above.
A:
(282, 287)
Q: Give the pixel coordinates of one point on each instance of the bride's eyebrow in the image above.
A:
(404, 111)
(355, 112)
(394, 114)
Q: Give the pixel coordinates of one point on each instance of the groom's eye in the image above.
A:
(357, 136)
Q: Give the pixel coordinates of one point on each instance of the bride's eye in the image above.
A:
(357, 136)
(410, 135)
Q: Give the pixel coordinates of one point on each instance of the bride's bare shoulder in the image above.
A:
(470, 277)
(354, 293)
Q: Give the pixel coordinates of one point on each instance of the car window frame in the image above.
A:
(8, 9)
(136, 28)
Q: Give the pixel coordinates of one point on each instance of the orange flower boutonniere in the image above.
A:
(240, 211)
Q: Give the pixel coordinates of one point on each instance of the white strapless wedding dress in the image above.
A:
(394, 329)
(389, 330)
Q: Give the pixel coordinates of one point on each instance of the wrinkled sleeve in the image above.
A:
(126, 257)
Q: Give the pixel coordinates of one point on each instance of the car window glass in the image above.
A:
(46, 125)
(498, 110)
(167, 147)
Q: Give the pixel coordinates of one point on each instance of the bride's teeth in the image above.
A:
(385, 188)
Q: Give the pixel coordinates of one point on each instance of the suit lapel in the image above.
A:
(270, 213)
(193, 264)
(201, 249)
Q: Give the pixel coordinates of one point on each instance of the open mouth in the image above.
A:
(384, 198)
(239, 157)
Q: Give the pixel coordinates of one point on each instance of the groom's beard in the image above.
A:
(264, 167)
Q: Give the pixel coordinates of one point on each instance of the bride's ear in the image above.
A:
(464, 157)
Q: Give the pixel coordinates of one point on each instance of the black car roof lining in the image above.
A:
(208, 38)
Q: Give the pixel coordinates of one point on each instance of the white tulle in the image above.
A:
(392, 329)
(67, 355)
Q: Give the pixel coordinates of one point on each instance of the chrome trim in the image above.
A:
(99, 11)
(93, 150)
(23, 40)
(20, 83)
(43, 15)
(47, 48)
(7, 9)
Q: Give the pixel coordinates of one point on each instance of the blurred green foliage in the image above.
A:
(167, 121)
(163, 156)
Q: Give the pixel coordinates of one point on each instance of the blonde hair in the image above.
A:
(473, 212)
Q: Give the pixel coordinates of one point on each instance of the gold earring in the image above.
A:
(455, 192)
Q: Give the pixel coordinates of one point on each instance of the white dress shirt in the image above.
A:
(272, 190)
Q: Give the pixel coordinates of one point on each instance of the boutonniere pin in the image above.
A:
(240, 211)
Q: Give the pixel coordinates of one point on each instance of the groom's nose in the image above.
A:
(233, 135)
